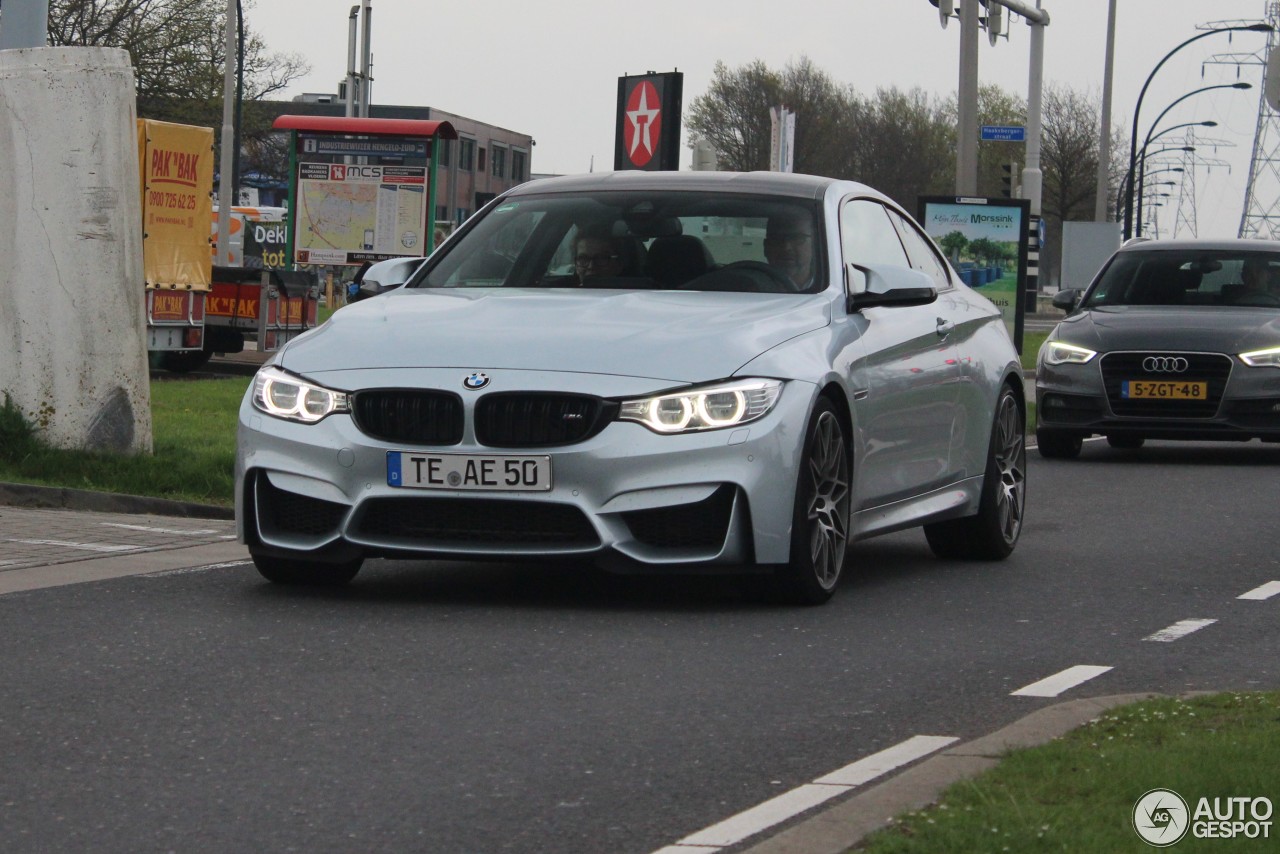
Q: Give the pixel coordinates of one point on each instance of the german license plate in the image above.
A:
(468, 471)
(1164, 390)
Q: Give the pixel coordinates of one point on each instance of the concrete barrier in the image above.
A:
(73, 353)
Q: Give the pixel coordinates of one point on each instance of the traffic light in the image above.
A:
(1006, 180)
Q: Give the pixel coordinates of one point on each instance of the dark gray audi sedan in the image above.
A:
(1174, 339)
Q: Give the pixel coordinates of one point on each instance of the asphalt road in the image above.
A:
(482, 707)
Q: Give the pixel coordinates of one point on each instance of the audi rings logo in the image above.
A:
(476, 381)
(1165, 364)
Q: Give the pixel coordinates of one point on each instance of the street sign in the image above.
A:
(1004, 133)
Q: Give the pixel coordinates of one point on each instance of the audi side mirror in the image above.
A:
(1067, 299)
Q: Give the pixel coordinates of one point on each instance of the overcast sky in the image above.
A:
(550, 69)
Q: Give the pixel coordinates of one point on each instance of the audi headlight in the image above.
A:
(1061, 353)
(1268, 358)
(710, 408)
(285, 396)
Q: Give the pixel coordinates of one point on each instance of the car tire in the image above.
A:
(291, 571)
(993, 531)
(820, 523)
(1057, 445)
(1126, 442)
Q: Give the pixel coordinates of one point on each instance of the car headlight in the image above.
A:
(1061, 353)
(285, 396)
(710, 408)
(1268, 358)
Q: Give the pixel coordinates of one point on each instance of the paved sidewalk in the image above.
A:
(50, 536)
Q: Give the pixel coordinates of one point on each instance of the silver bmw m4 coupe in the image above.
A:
(655, 371)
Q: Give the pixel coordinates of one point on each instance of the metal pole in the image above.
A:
(1032, 177)
(366, 82)
(352, 22)
(1104, 137)
(25, 24)
(225, 201)
(967, 103)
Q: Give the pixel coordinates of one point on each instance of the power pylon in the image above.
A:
(1261, 217)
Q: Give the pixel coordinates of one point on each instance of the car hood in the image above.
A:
(1217, 329)
(668, 335)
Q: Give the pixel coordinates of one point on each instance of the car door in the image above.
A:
(907, 411)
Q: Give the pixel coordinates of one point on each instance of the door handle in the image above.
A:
(945, 327)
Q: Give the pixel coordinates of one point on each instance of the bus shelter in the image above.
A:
(361, 189)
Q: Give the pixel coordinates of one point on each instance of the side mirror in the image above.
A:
(889, 285)
(1067, 299)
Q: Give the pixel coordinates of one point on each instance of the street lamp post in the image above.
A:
(1133, 137)
(1124, 193)
(1137, 230)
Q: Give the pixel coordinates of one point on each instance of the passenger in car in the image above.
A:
(788, 246)
(599, 254)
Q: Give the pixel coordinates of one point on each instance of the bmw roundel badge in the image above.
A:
(476, 381)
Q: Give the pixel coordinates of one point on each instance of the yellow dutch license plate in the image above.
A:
(1164, 390)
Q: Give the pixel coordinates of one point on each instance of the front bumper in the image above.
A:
(625, 497)
(1243, 402)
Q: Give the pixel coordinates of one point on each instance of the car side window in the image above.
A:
(868, 237)
(921, 252)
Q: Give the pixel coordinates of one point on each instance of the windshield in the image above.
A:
(638, 240)
(1193, 277)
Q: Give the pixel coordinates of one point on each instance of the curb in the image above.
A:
(27, 495)
(838, 828)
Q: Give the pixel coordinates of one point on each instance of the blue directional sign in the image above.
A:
(1004, 133)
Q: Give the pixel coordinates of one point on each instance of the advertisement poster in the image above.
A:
(986, 242)
(176, 167)
(349, 214)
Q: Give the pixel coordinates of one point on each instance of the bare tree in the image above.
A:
(733, 115)
(176, 46)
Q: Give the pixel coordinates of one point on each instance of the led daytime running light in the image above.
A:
(1061, 353)
(280, 395)
(1268, 358)
(710, 408)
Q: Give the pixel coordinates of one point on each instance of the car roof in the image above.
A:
(766, 183)
(1226, 244)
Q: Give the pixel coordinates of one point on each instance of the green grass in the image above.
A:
(1031, 342)
(194, 438)
(1077, 793)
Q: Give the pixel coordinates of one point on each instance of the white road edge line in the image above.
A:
(1180, 629)
(1052, 686)
(192, 532)
(1266, 591)
(764, 815)
(93, 547)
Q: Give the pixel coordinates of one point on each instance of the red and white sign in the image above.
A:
(643, 126)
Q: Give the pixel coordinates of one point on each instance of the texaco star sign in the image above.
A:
(641, 132)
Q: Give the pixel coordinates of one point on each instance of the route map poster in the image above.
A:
(349, 214)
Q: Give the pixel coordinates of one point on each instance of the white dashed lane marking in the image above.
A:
(1180, 629)
(789, 804)
(1266, 591)
(1054, 685)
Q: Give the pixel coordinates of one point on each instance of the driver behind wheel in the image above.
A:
(788, 246)
(1258, 279)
